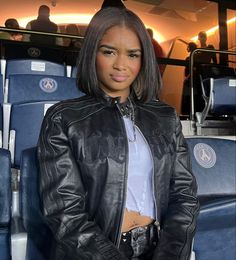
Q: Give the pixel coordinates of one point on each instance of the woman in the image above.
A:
(114, 163)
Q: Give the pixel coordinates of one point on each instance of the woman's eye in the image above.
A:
(108, 52)
(134, 55)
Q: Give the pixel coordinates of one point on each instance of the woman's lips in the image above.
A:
(119, 78)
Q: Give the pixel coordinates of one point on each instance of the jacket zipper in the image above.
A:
(125, 188)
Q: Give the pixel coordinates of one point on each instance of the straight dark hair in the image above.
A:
(147, 83)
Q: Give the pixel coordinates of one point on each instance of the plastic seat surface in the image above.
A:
(39, 236)
(5, 205)
(28, 66)
(213, 163)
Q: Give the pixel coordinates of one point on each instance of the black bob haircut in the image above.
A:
(147, 83)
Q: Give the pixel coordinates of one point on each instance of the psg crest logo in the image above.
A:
(48, 85)
(204, 155)
(34, 52)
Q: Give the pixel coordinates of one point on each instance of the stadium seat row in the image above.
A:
(26, 93)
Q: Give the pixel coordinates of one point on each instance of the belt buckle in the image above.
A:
(138, 232)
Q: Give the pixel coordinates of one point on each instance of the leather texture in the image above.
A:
(83, 155)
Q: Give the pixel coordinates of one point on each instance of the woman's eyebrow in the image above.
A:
(135, 50)
(113, 48)
(107, 46)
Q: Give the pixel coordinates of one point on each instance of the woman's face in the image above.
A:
(118, 61)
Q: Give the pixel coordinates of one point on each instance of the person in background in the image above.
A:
(205, 57)
(70, 42)
(190, 48)
(115, 172)
(157, 49)
(186, 99)
(11, 23)
(43, 23)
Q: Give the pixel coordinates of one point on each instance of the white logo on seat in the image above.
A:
(48, 85)
(204, 155)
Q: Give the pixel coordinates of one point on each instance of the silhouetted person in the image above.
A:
(70, 42)
(186, 94)
(43, 23)
(157, 49)
(113, 3)
(11, 23)
(205, 57)
(74, 45)
(190, 48)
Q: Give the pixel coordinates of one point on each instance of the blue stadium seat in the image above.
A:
(33, 51)
(28, 66)
(24, 88)
(215, 71)
(39, 237)
(219, 96)
(25, 124)
(34, 88)
(213, 163)
(5, 205)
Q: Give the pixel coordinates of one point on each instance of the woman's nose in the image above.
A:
(119, 63)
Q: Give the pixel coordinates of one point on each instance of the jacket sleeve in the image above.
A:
(63, 197)
(179, 223)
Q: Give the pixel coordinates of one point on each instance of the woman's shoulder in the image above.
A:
(78, 106)
(160, 107)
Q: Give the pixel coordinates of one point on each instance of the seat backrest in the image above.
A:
(28, 66)
(224, 96)
(215, 71)
(39, 236)
(25, 124)
(25, 88)
(213, 163)
(5, 204)
(29, 50)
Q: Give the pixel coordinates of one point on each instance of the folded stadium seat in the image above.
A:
(28, 66)
(29, 50)
(213, 164)
(5, 205)
(215, 71)
(35, 88)
(219, 96)
(39, 236)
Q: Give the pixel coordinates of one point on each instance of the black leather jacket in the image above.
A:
(83, 163)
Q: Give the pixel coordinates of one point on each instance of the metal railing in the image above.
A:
(192, 56)
(23, 31)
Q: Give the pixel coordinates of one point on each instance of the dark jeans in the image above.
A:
(139, 243)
